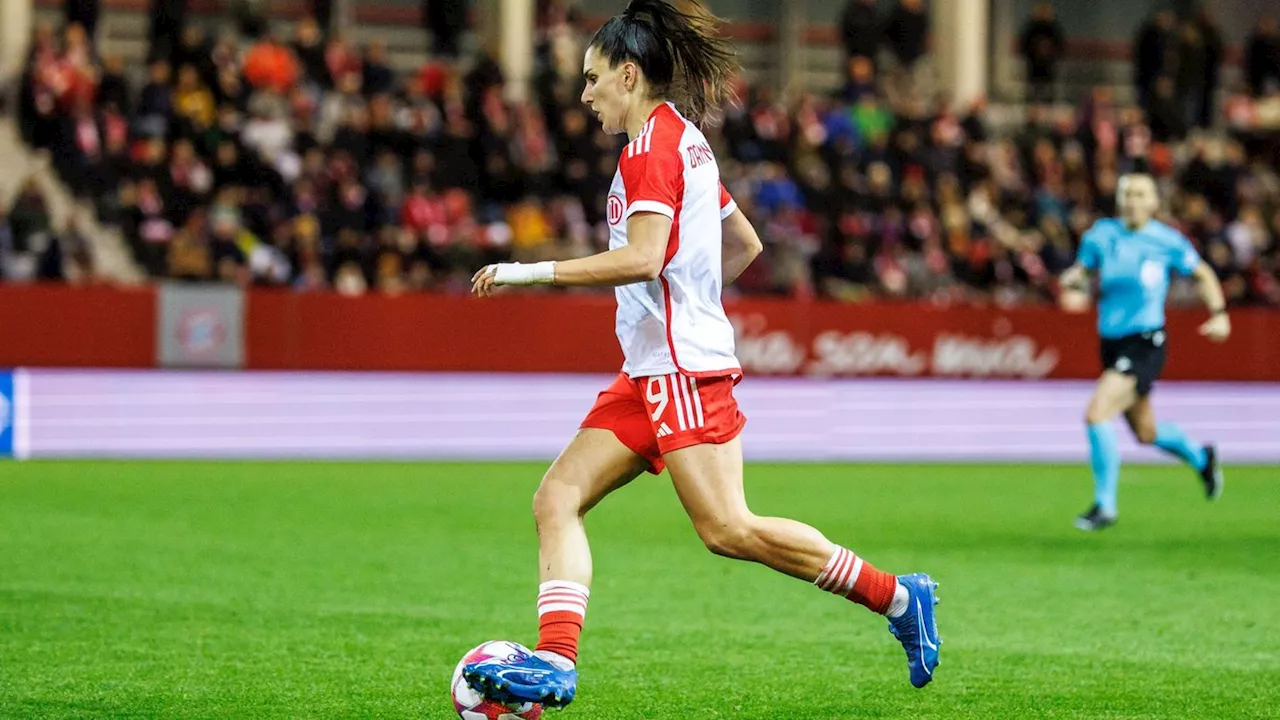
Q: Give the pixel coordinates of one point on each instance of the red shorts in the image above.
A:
(664, 413)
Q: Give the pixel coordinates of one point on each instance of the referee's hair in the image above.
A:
(1128, 177)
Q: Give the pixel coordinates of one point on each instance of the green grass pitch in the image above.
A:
(335, 590)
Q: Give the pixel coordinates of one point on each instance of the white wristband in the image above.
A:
(542, 273)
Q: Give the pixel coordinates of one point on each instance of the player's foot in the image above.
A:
(917, 628)
(1095, 519)
(522, 679)
(1211, 473)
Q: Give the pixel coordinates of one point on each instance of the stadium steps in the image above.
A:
(107, 248)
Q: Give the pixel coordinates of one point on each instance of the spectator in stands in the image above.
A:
(1192, 77)
(166, 18)
(83, 13)
(861, 79)
(377, 77)
(906, 32)
(445, 20)
(155, 102)
(1042, 43)
(113, 87)
(190, 181)
(345, 69)
(6, 245)
(1151, 49)
(192, 101)
(270, 64)
(322, 10)
(860, 30)
(1167, 112)
(409, 189)
(308, 46)
(1211, 35)
(195, 49)
(1262, 58)
(250, 17)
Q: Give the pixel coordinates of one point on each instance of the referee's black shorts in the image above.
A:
(1141, 355)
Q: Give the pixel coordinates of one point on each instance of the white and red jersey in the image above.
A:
(675, 323)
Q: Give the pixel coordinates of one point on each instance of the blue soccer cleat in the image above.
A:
(527, 679)
(917, 628)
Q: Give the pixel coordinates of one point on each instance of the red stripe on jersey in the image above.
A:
(652, 170)
(673, 246)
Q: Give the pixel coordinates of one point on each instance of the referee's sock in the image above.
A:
(1104, 458)
(1172, 439)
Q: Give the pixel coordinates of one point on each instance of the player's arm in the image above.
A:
(640, 260)
(1088, 260)
(651, 178)
(741, 245)
(1075, 278)
(1218, 327)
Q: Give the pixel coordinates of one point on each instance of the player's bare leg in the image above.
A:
(708, 478)
(1172, 439)
(1113, 394)
(594, 464)
(1142, 420)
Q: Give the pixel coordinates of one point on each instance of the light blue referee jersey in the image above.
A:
(1133, 269)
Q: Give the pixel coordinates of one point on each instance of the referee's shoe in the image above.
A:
(1211, 473)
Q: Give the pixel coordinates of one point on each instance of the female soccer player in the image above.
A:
(1133, 255)
(675, 237)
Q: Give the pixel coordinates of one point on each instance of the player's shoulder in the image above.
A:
(660, 137)
(1103, 228)
(670, 127)
(1165, 232)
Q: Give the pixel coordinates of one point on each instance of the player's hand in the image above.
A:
(1075, 278)
(483, 282)
(1217, 328)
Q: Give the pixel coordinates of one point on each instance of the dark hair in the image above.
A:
(680, 51)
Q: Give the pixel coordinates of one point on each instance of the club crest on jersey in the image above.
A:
(615, 209)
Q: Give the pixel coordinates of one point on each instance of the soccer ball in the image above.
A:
(471, 705)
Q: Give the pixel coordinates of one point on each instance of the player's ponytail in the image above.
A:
(680, 51)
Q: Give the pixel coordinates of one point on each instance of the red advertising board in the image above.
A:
(916, 340)
(66, 326)
(509, 333)
(556, 332)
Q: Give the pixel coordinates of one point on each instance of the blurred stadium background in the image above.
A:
(238, 229)
(289, 186)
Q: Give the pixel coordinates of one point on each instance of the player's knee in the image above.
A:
(1145, 435)
(734, 539)
(554, 501)
(1095, 414)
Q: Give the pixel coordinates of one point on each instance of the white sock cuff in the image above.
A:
(830, 567)
(563, 596)
(841, 572)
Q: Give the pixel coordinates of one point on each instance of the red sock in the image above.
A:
(848, 575)
(562, 606)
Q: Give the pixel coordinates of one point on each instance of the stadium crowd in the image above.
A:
(305, 161)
